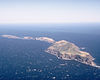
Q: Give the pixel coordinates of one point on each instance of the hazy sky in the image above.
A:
(49, 11)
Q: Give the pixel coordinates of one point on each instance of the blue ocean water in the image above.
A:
(26, 59)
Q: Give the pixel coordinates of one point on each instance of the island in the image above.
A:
(62, 49)
(10, 36)
(46, 39)
(69, 51)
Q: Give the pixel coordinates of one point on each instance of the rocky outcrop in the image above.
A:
(10, 36)
(45, 39)
(29, 38)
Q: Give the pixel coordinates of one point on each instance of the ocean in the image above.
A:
(26, 59)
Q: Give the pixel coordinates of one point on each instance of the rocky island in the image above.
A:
(62, 49)
(69, 51)
(10, 36)
(46, 39)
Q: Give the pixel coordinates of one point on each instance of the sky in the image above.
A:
(49, 11)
